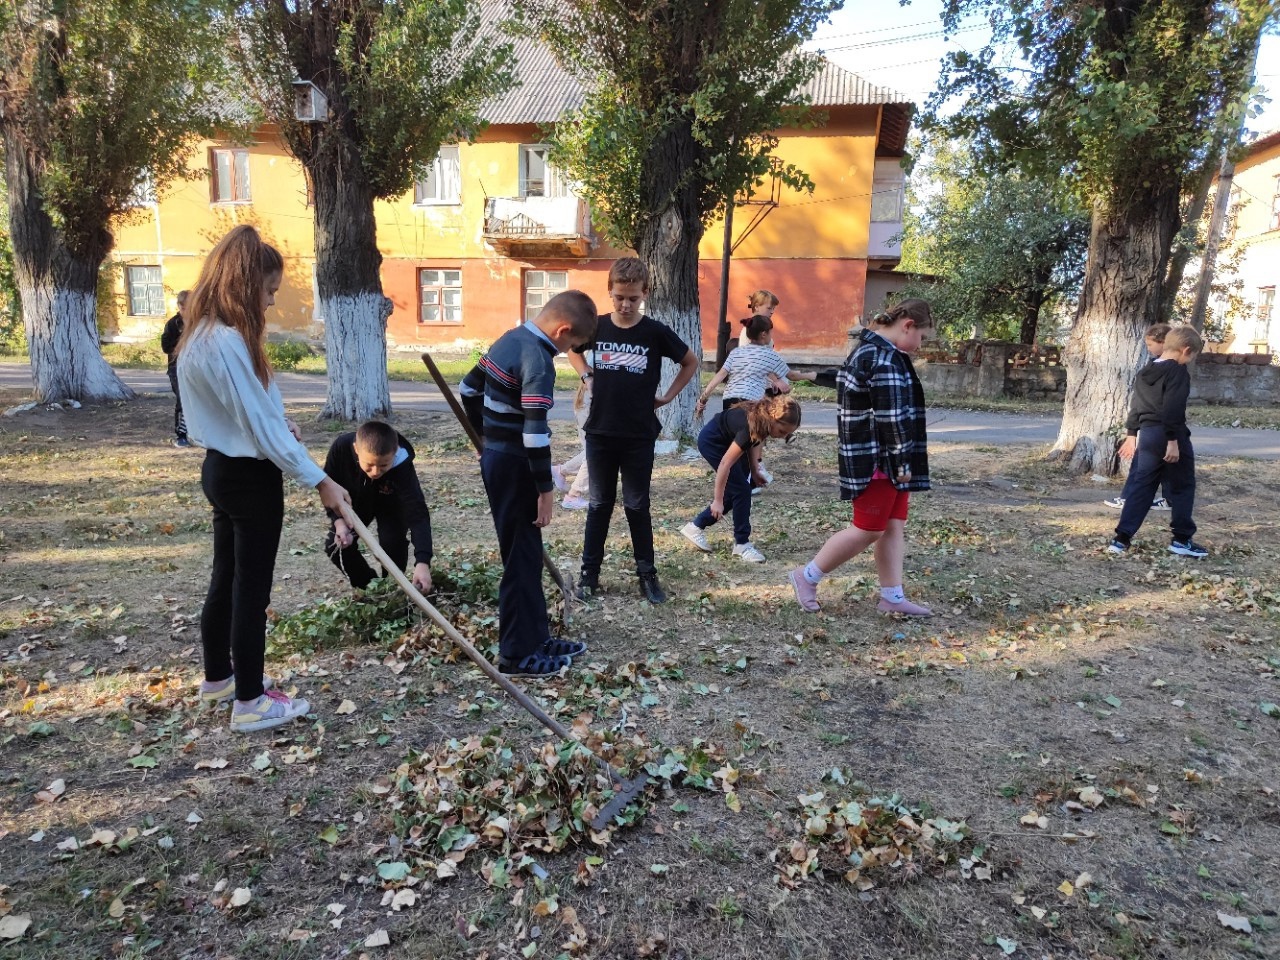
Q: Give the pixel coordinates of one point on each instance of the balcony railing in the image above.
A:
(539, 226)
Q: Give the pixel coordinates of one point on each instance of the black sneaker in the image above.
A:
(650, 589)
(563, 648)
(1188, 548)
(588, 584)
(536, 664)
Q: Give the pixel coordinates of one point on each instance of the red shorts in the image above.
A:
(879, 503)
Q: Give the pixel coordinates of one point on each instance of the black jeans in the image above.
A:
(737, 489)
(513, 501)
(393, 537)
(247, 497)
(179, 421)
(607, 458)
(1147, 474)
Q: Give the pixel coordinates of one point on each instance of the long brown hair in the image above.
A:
(230, 289)
(762, 413)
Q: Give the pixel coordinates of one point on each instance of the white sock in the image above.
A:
(812, 574)
(892, 594)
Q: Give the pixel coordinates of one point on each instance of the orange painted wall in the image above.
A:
(819, 300)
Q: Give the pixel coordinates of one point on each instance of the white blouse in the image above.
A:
(227, 409)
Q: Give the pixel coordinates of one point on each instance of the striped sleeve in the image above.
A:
(537, 387)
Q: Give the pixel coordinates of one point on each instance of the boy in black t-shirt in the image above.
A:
(623, 423)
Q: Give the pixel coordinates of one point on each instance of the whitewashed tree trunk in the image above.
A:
(355, 334)
(1120, 298)
(349, 281)
(58, 289)
(668, 245)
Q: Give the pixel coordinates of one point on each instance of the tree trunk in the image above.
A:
(668, 244)
(58, 287)
(1120, 298)
(1031, 306)
(349, 284)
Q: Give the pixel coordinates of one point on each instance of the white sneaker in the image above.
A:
(557, 478)
(1160, 503)
(768, 477)
(270, 710)
(748, 552)
(696, 535)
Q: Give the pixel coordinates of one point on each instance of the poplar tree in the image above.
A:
(1124, 101)
(400, 78)
(681, 96)
(97, 101)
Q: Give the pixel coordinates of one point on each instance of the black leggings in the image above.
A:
(607, 459)
(247, 497)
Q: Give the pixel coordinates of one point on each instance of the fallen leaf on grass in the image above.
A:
(403, 898)
(1008, 946)
(1270, 709)
(1034, 819)
(346, 706)
(300, 934)
(379, 938)
(116, 909)
(1066, 888)
(216, 763)
(143, 761)
(194, 817)
(14, 925)
(70, 844)
(239, 897)
(37, 836)
(262, 761)
(330, 835)
(52, 792)
(1090, 797)
(1235, 923)
(101, 838)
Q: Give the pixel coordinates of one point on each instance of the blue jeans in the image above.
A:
(737, 491)
(1146, 475)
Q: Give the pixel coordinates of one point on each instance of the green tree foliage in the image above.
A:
(401, 78)
(95, 99)
(1011, 247)
(1124, 102)
(681, 96)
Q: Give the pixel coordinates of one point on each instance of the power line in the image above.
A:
(912, 38)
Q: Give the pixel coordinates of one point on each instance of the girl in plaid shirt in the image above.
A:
(883, 454)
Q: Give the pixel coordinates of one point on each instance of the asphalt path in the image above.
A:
(945, 425)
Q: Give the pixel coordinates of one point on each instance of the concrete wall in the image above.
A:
(994, 369)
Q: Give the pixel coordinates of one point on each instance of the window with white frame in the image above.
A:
(1275, 206)
(887, 185)
(146, 291)
(229, 175)
(443, 182)
(1266, 303)
(538, 178)
(539, 287)
(439, 296)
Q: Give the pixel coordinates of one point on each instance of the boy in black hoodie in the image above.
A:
(375, 464)
(1159, 444)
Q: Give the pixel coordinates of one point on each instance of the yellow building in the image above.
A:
(494, 229)
(1255, 210)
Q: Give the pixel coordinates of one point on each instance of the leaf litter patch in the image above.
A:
(508, 804)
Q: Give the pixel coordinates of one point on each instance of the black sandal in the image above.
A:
(563, 648)
(536, 664)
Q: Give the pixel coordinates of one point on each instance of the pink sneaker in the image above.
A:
(806, 592)
(570, 502)
(906, 608)
(269, 710)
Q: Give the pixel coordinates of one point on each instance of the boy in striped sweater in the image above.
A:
(507, 396)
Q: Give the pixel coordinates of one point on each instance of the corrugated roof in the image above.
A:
(546, 90)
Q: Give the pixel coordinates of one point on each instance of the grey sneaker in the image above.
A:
(271, 709)
(748, 552)
(696, 535)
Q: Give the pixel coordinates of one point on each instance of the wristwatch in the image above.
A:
(587, 376)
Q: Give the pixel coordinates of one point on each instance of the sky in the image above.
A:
(901, 46)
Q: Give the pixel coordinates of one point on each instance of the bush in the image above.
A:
(287, 354)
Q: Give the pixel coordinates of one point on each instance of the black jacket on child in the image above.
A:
(398, 486)
(1160, 399)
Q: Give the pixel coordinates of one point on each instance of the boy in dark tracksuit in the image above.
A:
(507, 396)
(1159, 444)
(169, 338)
(375, 465)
